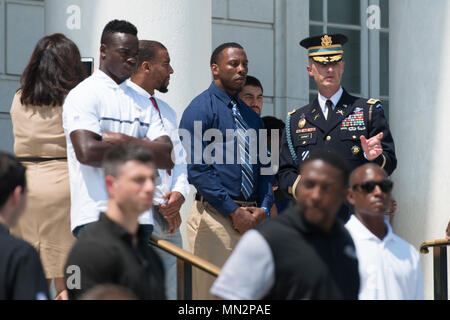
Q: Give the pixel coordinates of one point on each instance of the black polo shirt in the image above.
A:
(311, 264)
(104, 254)
(21, 273)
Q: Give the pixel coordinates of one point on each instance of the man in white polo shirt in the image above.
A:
(97, 114)
(389, 266)
(153, 73)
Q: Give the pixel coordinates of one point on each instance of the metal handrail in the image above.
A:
(185, 261)
(434, 243)
(439, 266)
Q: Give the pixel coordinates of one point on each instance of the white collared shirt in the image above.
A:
(99, 104)
(177, 181)
(335, 99)
(390, 268)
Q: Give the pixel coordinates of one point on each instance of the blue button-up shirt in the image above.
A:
(220, 183)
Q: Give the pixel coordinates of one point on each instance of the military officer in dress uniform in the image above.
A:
(356, 128)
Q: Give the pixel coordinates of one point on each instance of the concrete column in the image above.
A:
(291, 79)
(419, 116)
(184, 27)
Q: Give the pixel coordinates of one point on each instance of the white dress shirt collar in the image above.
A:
(138, 89)
(335, 99)
(365, 234)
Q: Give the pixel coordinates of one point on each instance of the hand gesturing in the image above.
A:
(372, 146)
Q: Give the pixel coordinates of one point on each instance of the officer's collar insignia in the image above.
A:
(340, 111)
(344, 105)
(292, 112)
(317, 116)
(313, 110)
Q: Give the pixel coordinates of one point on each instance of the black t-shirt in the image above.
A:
(310, 264)
(105, 254)
(21, 273)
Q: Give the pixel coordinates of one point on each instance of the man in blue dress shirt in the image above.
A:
(220, 134)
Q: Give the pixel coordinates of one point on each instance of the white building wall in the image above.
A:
(419, 117)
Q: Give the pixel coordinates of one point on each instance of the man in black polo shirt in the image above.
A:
(114, 249)
(21, 273)
(304, 254)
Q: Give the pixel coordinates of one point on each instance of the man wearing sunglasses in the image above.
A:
(389, 266)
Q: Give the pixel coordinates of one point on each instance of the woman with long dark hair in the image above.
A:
(54, 69)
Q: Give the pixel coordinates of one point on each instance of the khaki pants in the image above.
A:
(212, 237)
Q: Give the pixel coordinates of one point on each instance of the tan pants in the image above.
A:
(212, 237)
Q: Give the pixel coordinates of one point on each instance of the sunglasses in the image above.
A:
(368, 186)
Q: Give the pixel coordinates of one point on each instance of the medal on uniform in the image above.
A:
(355, 150)
(301, 123)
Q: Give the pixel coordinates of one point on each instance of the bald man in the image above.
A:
(389, 266)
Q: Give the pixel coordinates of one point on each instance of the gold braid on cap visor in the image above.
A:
(335, 58)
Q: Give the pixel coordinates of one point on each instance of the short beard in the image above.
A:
(163, 89)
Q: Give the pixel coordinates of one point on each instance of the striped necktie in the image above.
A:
(247, 183)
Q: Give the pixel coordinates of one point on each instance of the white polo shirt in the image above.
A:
(177, 180)
(99, 104)
(390, 268)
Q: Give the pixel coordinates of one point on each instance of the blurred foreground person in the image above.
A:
(115, 249)
(21, 273)
(54, 69)
(306, 253)
(389, 266)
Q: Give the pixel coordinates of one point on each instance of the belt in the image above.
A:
(200, 198)
(39, 159)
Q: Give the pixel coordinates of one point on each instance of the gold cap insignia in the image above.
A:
(301, 123)
(355, 150)
(326, 41)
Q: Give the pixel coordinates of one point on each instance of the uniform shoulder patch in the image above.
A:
(373, 101)
(292, 112)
